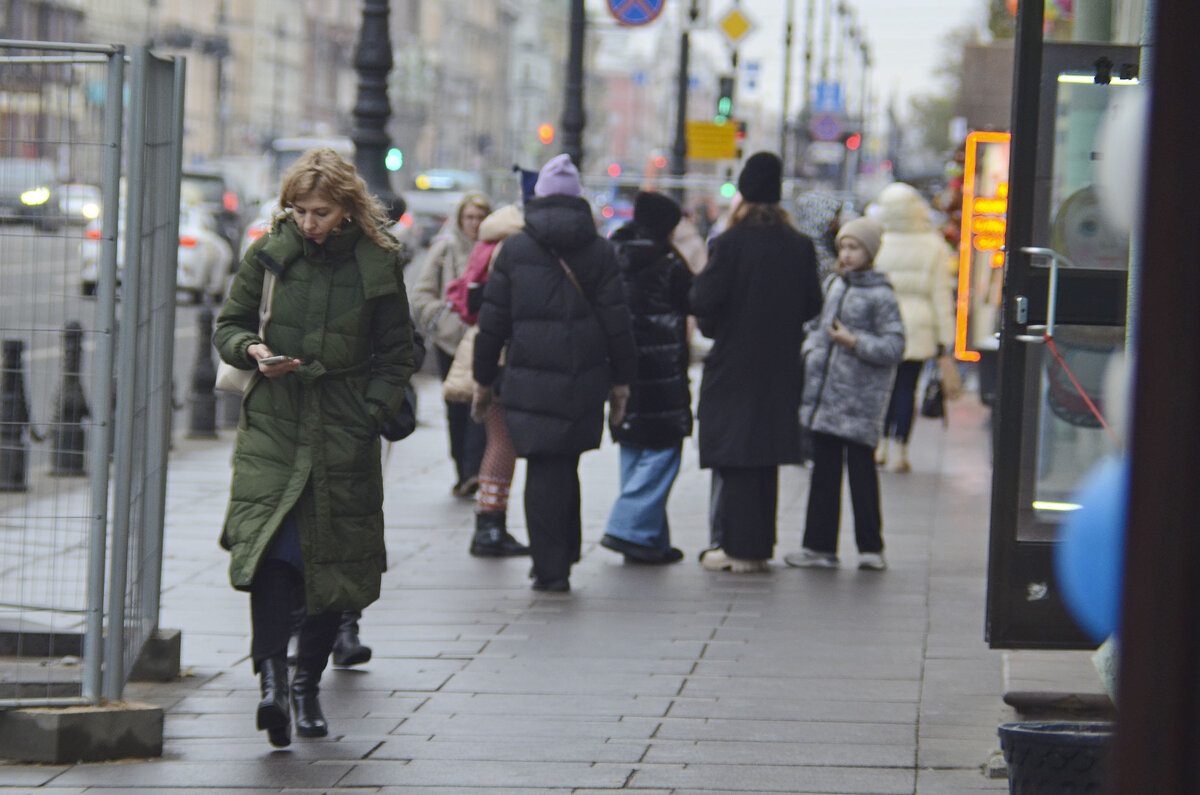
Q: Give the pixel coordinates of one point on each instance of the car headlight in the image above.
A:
(35, 196)
(90, 211)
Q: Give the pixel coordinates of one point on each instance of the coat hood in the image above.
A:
(501, 223)
(870, 278)
(903, 209)
(637, 248)
(564, 223)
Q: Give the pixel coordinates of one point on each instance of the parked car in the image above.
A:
(79, 204)
(433, 198)
(28, 192)
(205, 257)
(213, 193)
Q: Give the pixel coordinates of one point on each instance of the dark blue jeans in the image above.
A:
(897, 423)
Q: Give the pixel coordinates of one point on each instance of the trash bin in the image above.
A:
(1055, 757)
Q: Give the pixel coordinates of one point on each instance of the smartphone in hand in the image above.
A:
(280, 359)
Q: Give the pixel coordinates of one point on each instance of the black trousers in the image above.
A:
(552, 514)
(277, 590)
(742, 511)
(467, 437)
(825, 495)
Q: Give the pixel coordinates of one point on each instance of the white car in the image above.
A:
(205, 258)
(79, 203)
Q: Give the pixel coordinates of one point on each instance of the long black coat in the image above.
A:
(564, 351)
(752, 299)
(657, 281)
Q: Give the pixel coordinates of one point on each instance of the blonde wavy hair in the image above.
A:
(323, 172)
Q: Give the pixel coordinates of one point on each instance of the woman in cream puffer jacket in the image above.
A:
(917, 261)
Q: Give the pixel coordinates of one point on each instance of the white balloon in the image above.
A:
(1121, 154)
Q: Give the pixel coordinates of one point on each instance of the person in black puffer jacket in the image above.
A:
(554, 298)
(659, 413)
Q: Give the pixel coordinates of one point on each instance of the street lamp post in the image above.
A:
(372, 62)
(574, 118)
(679, 149)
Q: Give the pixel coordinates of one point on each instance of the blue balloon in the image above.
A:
(1090, 558)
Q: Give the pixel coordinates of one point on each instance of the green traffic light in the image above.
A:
(394, 159)
(727, 190)
(724, 106)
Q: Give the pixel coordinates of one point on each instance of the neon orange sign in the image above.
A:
(980, 254)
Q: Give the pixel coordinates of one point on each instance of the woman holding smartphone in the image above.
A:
(305, 517)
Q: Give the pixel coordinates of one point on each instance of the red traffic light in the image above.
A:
(853, 141)
(614, 169)
(546, 133)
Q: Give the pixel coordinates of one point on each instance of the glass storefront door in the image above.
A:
(1063, 321)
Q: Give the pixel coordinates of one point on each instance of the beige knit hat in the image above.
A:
(865, 230)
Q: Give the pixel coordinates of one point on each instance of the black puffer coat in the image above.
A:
(752, 299)
(564, 352)
(657, 280)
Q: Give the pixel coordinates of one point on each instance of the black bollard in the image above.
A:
(14, 418)
(202, 401)
(68, 440)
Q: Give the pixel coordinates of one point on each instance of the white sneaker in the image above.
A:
(717, 560)
(811, 559)
(872, 561)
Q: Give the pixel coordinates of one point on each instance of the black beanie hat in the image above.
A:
(657, 213)
(760, 178)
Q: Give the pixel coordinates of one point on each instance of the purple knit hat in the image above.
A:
(558, 176)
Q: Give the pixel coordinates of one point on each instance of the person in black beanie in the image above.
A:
(753, 298)
(658, 414)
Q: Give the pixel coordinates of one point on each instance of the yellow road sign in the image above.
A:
(735, 25)
(707, 140)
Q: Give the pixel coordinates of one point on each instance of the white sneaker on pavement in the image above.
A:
(872, 561)
(811, 559)
(718, 560)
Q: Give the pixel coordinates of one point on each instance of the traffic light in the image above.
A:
(853, 141)
(614, 170)
(724, 99)
(394, 159)
(546, 133)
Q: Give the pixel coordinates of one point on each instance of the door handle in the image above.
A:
(1051, 300)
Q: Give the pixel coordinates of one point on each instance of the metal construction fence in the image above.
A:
(90, 150)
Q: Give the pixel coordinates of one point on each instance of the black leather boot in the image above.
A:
(273, 714)
(347, 650)
(491, 539)
(310, 721)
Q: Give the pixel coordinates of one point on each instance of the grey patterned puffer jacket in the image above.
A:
(846, 390)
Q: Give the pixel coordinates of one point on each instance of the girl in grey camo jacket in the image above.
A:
(850, 358)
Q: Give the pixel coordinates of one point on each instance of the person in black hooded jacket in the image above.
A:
(659, 413)
(554, 298)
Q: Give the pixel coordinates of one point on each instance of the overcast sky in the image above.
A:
(904, 35)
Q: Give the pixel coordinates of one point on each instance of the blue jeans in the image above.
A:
(639, 515)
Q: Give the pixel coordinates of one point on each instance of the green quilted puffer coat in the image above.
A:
(308, 441)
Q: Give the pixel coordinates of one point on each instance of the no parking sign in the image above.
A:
(635, 12)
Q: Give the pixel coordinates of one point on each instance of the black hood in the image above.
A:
(637, 248)
(564, 223)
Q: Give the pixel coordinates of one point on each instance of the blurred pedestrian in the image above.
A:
(658, 415)
(917, 262)
(818, 215)
(305, 513)
(444, 329)
(554, 298)
(491, 538)
(752, 299)
(850, 358)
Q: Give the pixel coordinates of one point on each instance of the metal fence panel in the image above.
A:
(63, 151)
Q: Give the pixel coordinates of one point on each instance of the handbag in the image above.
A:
(235, 380)
(933, 402)
(459, 386)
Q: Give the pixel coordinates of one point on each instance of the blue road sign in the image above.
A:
(825, 127)
(635, 12)
(829, 98)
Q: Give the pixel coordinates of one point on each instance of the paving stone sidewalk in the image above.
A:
(654, 680)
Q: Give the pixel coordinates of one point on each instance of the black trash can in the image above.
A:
(1055, 757)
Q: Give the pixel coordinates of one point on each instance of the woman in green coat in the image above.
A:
(306, 508)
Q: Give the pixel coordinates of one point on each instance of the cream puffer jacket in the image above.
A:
(917, 262)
